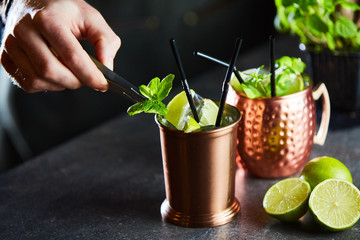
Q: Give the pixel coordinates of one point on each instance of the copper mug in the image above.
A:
(276, 135)
(199, 172)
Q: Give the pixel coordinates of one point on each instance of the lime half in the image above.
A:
(335, 203)
(287, 200)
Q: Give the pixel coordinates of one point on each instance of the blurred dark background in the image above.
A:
(145, 27)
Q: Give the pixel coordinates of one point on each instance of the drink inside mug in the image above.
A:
(289, 78)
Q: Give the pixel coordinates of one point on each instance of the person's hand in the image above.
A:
(40, 47)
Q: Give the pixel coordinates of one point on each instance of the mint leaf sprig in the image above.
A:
(256, 82)
(320, 24)
(155, 92)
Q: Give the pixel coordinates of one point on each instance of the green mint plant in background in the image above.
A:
(289, 78)
(329, 34)
(320, 24)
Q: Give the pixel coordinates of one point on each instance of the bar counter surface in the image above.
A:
(108, 183)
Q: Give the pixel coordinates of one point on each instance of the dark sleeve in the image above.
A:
(6, 5)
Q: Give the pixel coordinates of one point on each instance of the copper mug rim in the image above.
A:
(302, 92)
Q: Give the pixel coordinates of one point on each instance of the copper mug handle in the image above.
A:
(321, 91)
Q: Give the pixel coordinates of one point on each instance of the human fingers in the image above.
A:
(105, 41)
(62, 39)
(45, 64)
(19, 67)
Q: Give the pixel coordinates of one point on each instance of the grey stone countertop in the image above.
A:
(108, 184)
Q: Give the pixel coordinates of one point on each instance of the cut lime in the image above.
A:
(288, 84)
(208, 113)
(335, 203)
(322, 168)
(178, 108)
(287, 200)
(191, 125)
(180, 115)
(235, 83)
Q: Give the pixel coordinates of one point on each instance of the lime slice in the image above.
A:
(178, 108)
(288, 84)
(208, 113)
(179, 113)
(287, 200)
(335, 203)
(322, 168)
(235, 83)
(191, 125)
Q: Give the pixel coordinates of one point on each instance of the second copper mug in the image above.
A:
(276, 135)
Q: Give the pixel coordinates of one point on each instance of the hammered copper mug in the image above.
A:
(276, 135)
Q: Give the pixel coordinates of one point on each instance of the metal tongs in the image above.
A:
(119, 84)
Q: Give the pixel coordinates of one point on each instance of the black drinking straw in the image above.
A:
(225, 87)
(183, 79)
(225, 64)
(272, 66)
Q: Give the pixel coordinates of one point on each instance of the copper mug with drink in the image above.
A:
(276, 134)
(199, 171)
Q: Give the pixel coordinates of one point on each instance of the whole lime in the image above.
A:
(322, 168)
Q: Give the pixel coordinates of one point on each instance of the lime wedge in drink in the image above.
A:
(179, 112)
(178, 109)
(191, 125)
(235, 83)
(335, 203)
(287, 200)
(208, 113)
(288, 84)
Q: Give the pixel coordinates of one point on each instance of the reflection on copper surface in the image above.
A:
(199, 171)
(276, 135)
